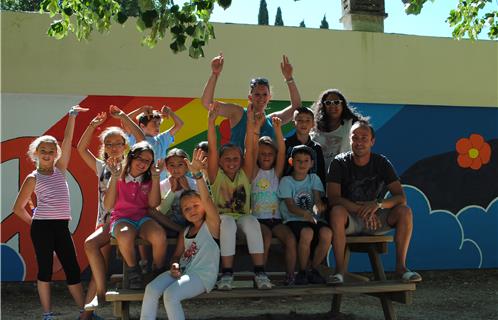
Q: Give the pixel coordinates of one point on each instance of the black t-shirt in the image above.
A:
(365, 183)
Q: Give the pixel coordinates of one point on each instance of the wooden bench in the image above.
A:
(386, 290)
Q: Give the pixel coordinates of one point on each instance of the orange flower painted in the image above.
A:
(473, 152)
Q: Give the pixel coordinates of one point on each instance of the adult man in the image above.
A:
(356, 185)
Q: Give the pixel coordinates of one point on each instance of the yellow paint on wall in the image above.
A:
(367, 67)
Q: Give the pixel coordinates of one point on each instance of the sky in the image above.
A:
(430, 22)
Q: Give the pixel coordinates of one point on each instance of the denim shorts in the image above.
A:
(135, 224)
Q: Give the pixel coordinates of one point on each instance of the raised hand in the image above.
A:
(286, 68)
(259, 119)
(217, 64)
(115, 112)
(183, 183)
(199, 161)
(277, 123)
(99, 119)
(213, 111)
(155, 169)
(166, 112)
(74, 110)
(114, 165)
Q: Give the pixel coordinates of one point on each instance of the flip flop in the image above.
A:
(411, 276)
(336, 279)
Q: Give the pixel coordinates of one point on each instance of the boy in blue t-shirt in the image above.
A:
(149, 121)
(301, 208)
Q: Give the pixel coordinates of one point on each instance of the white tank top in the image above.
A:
(201, 256)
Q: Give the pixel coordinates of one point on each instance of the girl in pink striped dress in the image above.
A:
(49, 222)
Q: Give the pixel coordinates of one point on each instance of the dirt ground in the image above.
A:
(455, 295)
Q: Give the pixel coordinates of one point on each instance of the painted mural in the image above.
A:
(447, 158)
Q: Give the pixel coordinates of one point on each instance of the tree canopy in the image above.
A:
(278, 18)
(468, 18)
(324, 24)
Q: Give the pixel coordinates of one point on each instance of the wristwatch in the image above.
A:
(379, 203)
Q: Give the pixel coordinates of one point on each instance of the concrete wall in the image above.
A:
(423, 94)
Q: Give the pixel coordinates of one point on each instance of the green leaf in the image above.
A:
(225, 4)
(57, 30)
(122, 17)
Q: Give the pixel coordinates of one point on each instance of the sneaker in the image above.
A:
(336, 279)
(315, 277)
(135, 279)
(48, 316)
(225, 282)
(262, 282)
(144, 266)
(290, 280)
(301, 278)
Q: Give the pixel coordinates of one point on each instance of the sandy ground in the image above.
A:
(455, 295)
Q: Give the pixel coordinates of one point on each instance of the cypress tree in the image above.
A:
(263, 13)
(278, 18)
(324, 24)
(302, 25)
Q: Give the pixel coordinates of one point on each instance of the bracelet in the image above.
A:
(290, 80)
(73, 112)
(197, 175)
(155, 174)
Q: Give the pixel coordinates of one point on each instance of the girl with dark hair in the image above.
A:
(334, 118)
(132, 190)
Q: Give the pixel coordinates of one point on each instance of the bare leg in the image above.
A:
(402, 218)
(97, 249)
(44, 293)
(125, 235)
(267, 235)
(227, 261)
(306, 236)
(285, 235)
(321, 250)
(154, 233)
(258, 259)
(76, 291)
(338, 221)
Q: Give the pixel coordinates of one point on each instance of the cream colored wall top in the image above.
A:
(367, 67)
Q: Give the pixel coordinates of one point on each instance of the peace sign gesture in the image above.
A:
(286, 68)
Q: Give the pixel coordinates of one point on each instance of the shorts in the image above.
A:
(135, 224)
(270, 223)
(356, 225)
(297, 226)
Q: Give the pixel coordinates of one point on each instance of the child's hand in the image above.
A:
(213, 111)
(99, 119)
(310, 217)
(173, 183)
(115, 112)
(259, 119)
(286, 68)
(76, 109)
(166, 112)
(199, 161)
(114, 164)
(183, 183)
(155, 169)
(175, 270)
(319, 207)
(277, 123)
(217, 64)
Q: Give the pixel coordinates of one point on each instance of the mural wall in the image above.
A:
(433, 103)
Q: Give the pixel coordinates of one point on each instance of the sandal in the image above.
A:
(336, 279)
(411, 276)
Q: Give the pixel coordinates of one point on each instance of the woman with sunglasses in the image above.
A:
(259, 96)
(334, 118)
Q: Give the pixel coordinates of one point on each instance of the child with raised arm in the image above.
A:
(150, 121)
(97, 245)
(301, 207)
(229, 175)
(49, 223)
(269, 166)
(196, 259)
(169, 214)
(132, 191)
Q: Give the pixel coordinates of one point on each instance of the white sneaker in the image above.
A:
(262, 281)
(225, 282)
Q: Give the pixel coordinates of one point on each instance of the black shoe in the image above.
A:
(135, 278)
(301, 278)
(315, 277)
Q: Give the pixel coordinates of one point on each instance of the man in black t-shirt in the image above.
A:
(357, 182)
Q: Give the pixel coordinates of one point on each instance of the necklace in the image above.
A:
(45, 170)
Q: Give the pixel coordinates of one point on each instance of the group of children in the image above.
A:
(270, 187)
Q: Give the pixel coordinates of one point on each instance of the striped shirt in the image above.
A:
(52, 196)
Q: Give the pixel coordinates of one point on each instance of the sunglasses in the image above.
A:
(259, 81)
(332, 102)
(112, 145)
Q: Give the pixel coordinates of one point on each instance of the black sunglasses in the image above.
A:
(259, 81)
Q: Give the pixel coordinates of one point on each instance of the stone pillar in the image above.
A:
(363, 15)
